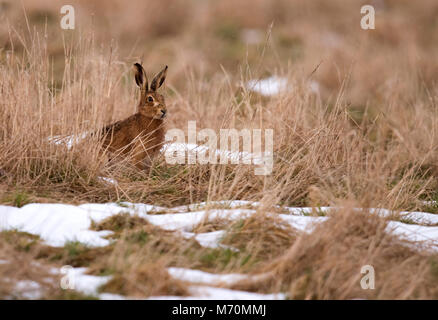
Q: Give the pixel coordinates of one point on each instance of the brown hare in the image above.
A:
(141, 135)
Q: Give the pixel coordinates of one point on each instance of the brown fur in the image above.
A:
(141, 135)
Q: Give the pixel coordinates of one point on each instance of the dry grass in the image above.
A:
(34, 279)
(367, 137)
(147, 279)
(326, 264)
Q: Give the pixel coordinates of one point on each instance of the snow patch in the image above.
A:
(68, 141)
(212, 293)
(85, 283)
(195, 150)
(108, 180)
(207, 239)
(275, 85)
(268, 87)
(57, 224)
(28, 289)
(423, 235)
(197, 276)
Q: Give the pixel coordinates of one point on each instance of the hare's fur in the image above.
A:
(141, 135)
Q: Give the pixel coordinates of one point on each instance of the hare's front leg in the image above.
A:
(140, 157)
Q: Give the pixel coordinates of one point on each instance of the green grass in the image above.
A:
(75, 254)
(140, 237)
(72, 295)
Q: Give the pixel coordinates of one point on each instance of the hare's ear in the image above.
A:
(140, 76)
(159, 79)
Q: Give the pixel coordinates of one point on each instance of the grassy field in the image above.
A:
(356, 128)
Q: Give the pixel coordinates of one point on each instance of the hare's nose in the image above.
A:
(163, 113)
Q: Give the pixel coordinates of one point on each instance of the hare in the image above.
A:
(141, 135)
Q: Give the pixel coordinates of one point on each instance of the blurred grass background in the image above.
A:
(259, 36)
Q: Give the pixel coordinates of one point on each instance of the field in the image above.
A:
(354, 180)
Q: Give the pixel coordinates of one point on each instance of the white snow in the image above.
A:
(314, 86)
(224, 203)
(82, 282)
(170, 148)
(429, 203)
(206, 239)
(195, 151)
(28, 289)
(59, 223)
(420, 217)
(268, 87)
(112, 296)
(85, 283)
(251, 36)
(205, 293)
(186, 221)
(201, 277)
(191, 150)
(54, 223)
(275, 85)
(302, 223)
(108, 180)
(69, 140)
(423, 235)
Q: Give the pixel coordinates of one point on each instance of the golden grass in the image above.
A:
(149, 279)
(264, 236)
(26, 268)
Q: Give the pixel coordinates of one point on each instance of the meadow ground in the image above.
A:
(355, 124)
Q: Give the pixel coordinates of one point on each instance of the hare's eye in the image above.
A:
(150, 99)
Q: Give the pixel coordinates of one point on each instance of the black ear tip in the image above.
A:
(165, 68)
